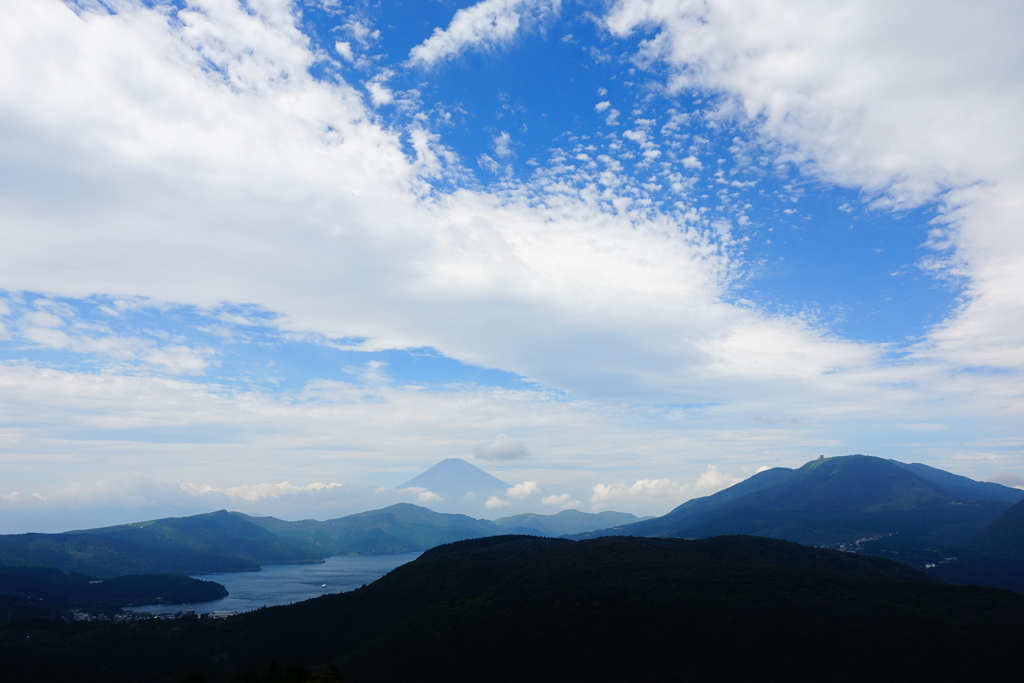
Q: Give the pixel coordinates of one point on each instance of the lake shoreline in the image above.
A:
(285, 584)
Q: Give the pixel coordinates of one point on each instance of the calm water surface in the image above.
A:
(283, 584)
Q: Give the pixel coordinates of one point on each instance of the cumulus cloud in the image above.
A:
(501, 447)
(425, 495)
(564, 500)
(659, 492)
(484, 25)
(712, 480)
(555, 500)
(523, 490)
(503, 145)
(344, 49)
(254, 492)
(494, 503)
(648, 489)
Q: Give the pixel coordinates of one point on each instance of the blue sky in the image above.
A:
(653, 245)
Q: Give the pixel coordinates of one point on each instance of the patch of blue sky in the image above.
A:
(240, 345)
(557, 100)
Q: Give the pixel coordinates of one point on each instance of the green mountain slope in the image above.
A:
(220, 533)
(611, 609)
(101, 555)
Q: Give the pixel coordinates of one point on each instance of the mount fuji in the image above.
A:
(455, 480)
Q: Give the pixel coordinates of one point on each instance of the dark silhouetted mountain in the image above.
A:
(564, 523)
(853, 483)
(102, 555)
(454, 479)
(611, 609)
(60, 591)
(1003, 538)
(400, 528)
(218, 533)
(993, 557)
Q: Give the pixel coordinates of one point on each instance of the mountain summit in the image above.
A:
(841, 500)
(454, 479)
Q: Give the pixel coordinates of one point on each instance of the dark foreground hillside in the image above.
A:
(510, 608)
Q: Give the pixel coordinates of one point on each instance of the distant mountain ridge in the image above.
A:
(231, 541)
(398, 528)
(405, 527)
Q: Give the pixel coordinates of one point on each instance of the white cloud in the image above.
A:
(711, 480)
(564, 500)
(344, 49)
(484, 25)
(501, 447)
(555, 500)
(177, 359)
(380, 94)
(503, 145)
(425, 495)
(601, 106)
(523, 490)
(494, 503)
(255, 492)
(666, 490)
(49, 325)
(659, 492)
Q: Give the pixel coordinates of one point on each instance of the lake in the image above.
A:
(283, 584)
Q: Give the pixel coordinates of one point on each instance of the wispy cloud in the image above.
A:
(487, 24)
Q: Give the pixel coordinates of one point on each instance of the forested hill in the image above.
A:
(42, 592)
(213, 542)
(612, 609)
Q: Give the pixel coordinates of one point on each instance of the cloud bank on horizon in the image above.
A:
(626, 254)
